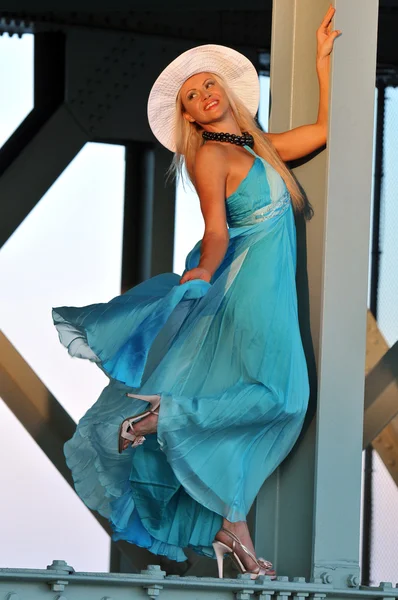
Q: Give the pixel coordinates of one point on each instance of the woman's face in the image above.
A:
(204, 100)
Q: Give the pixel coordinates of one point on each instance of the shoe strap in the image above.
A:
(236, 539)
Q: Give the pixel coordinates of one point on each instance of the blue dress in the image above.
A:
(227, 360)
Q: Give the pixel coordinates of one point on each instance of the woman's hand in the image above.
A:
(196, 273)
(325, 36)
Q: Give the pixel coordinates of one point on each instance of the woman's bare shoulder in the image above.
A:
(211, 157)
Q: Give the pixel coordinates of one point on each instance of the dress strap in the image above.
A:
(250, 150)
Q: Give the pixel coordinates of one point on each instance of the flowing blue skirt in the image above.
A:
(227, 360)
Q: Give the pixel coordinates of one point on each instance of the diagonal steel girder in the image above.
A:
(36, 167)
(381, 397)
(51, 426)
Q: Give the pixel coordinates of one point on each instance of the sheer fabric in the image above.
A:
(227, 360)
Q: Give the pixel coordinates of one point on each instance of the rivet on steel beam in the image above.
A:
(326, 578)
(244, 594)
(265, 594)
(60, 565)
(153, 591)
(58, 586)
(154, 571)
(353, 581)
(385, 585)
(263, 579)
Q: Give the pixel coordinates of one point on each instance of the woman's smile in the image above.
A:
(211, 104)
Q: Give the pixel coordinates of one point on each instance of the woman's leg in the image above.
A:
(145, 426)
(241, 530)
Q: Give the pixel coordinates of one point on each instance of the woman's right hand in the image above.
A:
(196, 273)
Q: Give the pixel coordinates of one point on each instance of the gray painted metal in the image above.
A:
(284, 506)
(163, 217)
(108, 90)
(37, 167)
(16, 584)
(337, 268)
(386, 443)
(138, 214)
(344, 295)
(381, 395)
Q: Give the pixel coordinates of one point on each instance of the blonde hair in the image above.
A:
(188, 139)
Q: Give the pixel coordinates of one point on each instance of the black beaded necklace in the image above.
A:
(246, 139)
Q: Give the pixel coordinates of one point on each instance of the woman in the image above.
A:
(208, 381)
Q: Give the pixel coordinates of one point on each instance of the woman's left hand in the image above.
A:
(196, 273)
(325, 36)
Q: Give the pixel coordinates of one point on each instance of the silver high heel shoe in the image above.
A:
(127, 424)
(264, 566)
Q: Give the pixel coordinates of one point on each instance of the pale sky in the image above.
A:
(68, 252)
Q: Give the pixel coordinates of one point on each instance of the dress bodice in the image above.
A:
(262, 188)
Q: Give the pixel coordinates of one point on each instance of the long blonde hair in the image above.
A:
(188, 139)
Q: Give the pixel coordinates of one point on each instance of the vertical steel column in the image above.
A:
(306, 531)
(374, 288)
(341, 361)
(164, 196)
(148, 231)
(138, 208)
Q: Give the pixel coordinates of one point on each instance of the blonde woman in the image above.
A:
(208, 381)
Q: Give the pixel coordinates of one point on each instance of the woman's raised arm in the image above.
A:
(303, 140)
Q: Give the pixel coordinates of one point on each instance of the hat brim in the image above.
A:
(237, 70)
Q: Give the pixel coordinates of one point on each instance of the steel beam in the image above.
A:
(36, 168)
(381, 395)
(344, 296)
(318, 533)
(386, 443)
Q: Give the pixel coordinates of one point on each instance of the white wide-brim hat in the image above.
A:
(237, 70)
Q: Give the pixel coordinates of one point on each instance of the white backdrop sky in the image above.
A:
(68, 252)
